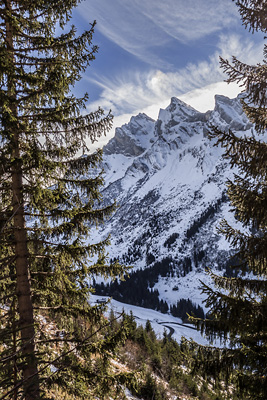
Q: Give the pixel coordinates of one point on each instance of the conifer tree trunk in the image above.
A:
(25, 308)
(23, 289)
(49, 199)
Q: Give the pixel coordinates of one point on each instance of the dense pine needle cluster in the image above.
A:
(49, 200)
(238, 306)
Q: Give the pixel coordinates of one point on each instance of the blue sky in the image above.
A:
(151, 50)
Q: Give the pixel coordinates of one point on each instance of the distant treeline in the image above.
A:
(184, 307)
(202, 219)
(138, 290)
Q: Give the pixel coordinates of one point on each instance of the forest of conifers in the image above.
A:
(53, 343)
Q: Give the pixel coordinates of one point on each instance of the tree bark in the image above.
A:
(23, 284)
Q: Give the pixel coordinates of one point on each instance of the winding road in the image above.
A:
(171, 329)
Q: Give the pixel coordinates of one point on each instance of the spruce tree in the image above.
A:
(49, 200)
(238, 306)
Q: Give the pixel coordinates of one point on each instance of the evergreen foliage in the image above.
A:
(128, 293)
(137, 288)
(203, 218)
(171, 240)
(238, 307)
(162, 369)
(184, 307)
(49, 199)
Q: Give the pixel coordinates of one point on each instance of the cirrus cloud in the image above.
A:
(136, 90)
(139, 26)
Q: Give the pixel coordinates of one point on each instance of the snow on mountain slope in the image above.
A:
(132, 138)
(169, 183)
(159, 322)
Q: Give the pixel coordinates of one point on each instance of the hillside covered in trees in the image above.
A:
(173, 179)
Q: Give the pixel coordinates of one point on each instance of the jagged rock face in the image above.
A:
(131, 139)
(169, 183)
(230, 113)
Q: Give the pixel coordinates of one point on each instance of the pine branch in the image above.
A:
(56, 359)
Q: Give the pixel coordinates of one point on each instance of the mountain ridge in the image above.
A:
(169, 183)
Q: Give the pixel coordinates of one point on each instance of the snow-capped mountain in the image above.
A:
(168, 180)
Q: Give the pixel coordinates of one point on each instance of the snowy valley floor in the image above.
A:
(159, 321)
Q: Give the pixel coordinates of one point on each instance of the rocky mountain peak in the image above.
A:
(169, 182)
(133, 138)
(179, 108)
(230, 113)
(174, 115)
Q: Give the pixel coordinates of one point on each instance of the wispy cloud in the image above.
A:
(191, 19)
(123, 23)
(137, 90)
(201, 99)
(196, 84)
(137, 25)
